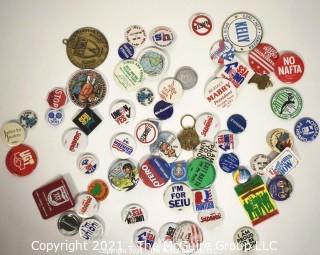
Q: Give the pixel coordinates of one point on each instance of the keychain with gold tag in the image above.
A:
(188, 137)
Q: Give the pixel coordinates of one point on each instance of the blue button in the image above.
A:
(126, 51)
(163, 110)
(236, 123)
(229, 162)
(306, 129)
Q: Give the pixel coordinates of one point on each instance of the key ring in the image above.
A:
(187, 116)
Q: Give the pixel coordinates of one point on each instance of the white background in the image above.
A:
(33, 61)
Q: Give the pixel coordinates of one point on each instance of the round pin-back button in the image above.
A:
(207, 125)
(279, 139)
(289, 67)
(146, 132)
(210, 218)
(279, 188)
(87, 88)
(306, 129)
(229, 162)
(87, 163)
(87, 47)
(226, 140)
(201, 173)
(126, 51)
(179, 171)
(286, 103)
(154, 172)
(162, 36)
(129, 74)
(241, 175)
(167, 146)
(21, 160)
(243, 31)
(123, 175)
(188, 237)
(201, 24)
(28, 119)
(98, 189)
(187, 77)
(12, 133)
(163, 110)
(154, 61)
(122, 112)
(57, 98)
(220, 92)
(166, 231)
(207, 150)
(133, 213)
(178, 196)
(69, 223)
(263, 58)
(236, 123)
(86, 205)
(135, 35)
(91, 229)
(74, 140)
(145, 96)
(258, 162)
(246, 238)
(222, 52)
(55, 117)
(170, 90)
(145, 238)
(123, 145)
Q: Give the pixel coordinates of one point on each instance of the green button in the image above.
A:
(201, 173)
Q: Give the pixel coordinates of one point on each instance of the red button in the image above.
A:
(57, 98)
(21, 160)
(262, 59)
(289, 67)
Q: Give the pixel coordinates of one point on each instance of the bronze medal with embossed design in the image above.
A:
(188, 137)
(87, 47)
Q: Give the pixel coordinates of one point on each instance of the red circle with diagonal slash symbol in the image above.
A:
(201, 24)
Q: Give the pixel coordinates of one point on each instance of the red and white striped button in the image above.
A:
(262, 59)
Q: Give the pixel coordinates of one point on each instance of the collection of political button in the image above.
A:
(145, 96)
(286, 103)
(123, 175)
(87, 87)
(133, 214)
(91, 229)
(87, 163)
(98, 189)
(21, 160)
(28, 119)
(122, 112)
(74, 140)
(191, 180)
(123, 145)
(166, 146)
(154, 61)
(306, 129)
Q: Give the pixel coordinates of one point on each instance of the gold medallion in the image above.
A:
(188, 137)
(87, 48)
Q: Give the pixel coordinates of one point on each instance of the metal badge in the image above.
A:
(69, 223)
(262, 81)
(188, 137)
(187, 76)
(87, 47)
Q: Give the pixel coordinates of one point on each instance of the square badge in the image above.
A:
(87, 120)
